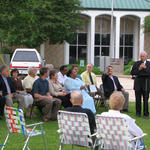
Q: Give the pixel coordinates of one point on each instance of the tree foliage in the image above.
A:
(31, 22)
(147, 24)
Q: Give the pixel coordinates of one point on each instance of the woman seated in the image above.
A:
(116, 103)
(28, 99)
(72, 83)
(57, 90)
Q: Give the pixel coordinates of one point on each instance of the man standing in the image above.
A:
(111, 84)
(141, 71)
(43, 98)
(62, 74)
(89, 78)
(8, 90)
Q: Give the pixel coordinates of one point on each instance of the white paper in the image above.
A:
(93, 88)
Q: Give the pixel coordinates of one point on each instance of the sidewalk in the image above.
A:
(126, 82)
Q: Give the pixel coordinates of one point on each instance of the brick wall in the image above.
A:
(54, 54)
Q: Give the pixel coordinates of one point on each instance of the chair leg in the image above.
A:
(72, 146)
(43, 135)
(26, 143)
(61, 146)
(5, 141)
(44, 141)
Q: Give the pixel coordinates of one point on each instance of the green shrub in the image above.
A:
(127, 68)
(5, 50)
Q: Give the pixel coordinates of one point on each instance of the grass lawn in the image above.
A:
(15, 141)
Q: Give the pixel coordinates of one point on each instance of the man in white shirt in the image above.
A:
(116, 103)
(62, 74)
(29, 80)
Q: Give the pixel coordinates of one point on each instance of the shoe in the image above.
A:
(146, 117)
(138, 115)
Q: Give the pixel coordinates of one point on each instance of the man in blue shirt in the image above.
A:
(43, 98)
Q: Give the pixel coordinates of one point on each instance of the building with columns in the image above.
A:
(93, 39)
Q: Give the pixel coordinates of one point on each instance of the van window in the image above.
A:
(26, 56)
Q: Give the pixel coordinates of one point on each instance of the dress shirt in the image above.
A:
(61, 79)
(133, 129)
(7, 85)
(86, 78)
(28, 82)
(115, 87)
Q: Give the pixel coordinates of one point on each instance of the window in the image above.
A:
(126, 47)
(78, 48)
(25, 56)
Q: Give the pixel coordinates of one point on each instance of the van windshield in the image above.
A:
(26, 56)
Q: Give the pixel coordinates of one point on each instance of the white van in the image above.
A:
(22, 59)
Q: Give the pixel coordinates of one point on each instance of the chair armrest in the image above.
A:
(35, 124)
(93, 134)
(138, 137)
(59, 131)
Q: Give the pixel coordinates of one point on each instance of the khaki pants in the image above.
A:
(126, 104)
(17, 99)
(51, 107)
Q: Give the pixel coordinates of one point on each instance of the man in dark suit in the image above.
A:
(141, 71)
(111, 84)
(77, 100)
(2, 104)
(8, 90)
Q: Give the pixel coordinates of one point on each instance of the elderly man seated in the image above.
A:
(77, 101)
(116, 102)
(89, 78)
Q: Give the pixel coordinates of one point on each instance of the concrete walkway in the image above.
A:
(126, 82)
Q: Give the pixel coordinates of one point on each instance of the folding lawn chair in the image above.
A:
(16, 124)
(115, 135)
(74, 129)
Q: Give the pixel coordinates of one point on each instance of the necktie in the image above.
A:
(91, 78)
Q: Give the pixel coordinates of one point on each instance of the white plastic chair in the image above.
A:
(16, 124)
(115, 135)
(74, 129)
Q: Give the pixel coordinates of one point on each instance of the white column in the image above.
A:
(135, 41)
(66, 53)
(91, 40)
(42, 50)
(117, 46)
(141, 35)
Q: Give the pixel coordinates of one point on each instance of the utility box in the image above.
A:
(104, 62)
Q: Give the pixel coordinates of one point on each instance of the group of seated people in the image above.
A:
(74, 92)
(51, 89)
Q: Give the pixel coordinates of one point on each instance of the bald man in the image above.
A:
(77, 101)
(141, 71)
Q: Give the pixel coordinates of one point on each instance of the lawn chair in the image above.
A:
(74, 129)
(16, 124)
(115, 135)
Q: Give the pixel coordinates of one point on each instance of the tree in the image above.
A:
(32, 22)
(147, 24)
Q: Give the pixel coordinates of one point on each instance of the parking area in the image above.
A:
(126, 82)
